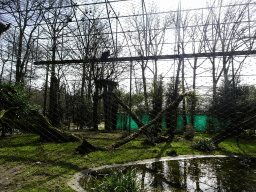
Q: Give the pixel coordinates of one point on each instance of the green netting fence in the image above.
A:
(201, 122)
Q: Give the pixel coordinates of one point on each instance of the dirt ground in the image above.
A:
(7, 174)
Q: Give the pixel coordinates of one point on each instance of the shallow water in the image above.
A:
(198, 174)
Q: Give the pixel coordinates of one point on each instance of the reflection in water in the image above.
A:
(198, 174)
(156, 181)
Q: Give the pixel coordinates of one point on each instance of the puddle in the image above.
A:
(192, 174)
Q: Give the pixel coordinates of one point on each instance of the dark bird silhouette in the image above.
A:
(69, 18)
(3, 27)
(105, 55)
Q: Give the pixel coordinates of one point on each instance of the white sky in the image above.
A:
(123, 8)
(165, 5)
(185, 4)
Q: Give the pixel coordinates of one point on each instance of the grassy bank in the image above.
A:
(27, 165)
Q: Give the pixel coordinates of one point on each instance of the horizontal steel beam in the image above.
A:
(160, 57)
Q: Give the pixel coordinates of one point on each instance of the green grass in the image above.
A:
(118, 181)
(59, 162)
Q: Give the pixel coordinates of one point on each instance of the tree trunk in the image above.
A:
(53, 111)
(193, 110)
(193, 103)
(157, 106)
(3, 130)
(171, 120)
(183, 102)
(171, 116)
(83, 82)
(214, 81)
(89, 89)
(46, 89)
(95, 108)
(2, 71)
(114, 111)
(53, 115)
(19, 67)
(144, 86)
(107, 108)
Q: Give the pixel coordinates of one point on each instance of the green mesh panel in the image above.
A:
(123, 122)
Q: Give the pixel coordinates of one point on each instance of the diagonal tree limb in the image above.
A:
(133, 115)
(87, 147)
(136, 119)
(234, 129)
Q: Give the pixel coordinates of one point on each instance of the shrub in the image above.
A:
(212, 126)
(178, 132)
(231, 104)
(190, 132)
(172, 152)
(118, 181)
(13, 97)
(203, 144)
(149, 142)
(82, 113)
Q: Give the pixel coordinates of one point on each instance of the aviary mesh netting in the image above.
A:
(101, 82)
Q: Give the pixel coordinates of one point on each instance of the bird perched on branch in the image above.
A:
(4, 27)
(105, 55)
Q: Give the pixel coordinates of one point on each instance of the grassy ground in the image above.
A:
(27, 165)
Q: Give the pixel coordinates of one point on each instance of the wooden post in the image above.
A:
(95, 108)
(106, 105)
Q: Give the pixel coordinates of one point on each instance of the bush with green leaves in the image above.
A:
(119, 181)
(231, 104)
(14, 99)
(203, 144)
(213, 126)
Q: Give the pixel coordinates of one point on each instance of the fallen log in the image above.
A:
(39, 125)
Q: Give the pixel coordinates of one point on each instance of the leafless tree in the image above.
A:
(226, 31)
(147, 32)
(90, 42)
(26, 15)
(56, 18)
(196, 36)
(181, 22)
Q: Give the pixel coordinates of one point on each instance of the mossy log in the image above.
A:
(234, 129)
(40, 125)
